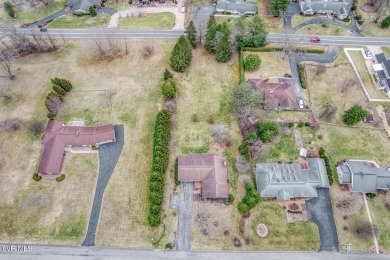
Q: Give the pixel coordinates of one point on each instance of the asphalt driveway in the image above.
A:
(48, 18)
(183, 233)
(202, 14)
(108, 157)
(321, 213)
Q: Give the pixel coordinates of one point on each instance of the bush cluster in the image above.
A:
(162, 135)
(9, 8)
(168, 88)
(60, 178)
(167, 74)
(347, 19)
(329, 169)
(268, 130)
(252, 62)
(55, 97)
(79, 14)
(294, 211)
(385, 22)
(244, 149)
(270, 49)
(290, 124)
(250, 200)
(251, 136)
(176, 177)
(371, 195)
(92, 11)
(354, 115)
(302, 77)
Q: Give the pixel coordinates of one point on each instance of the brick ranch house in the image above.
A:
(279, 95)
(209, 173)
(57, 138)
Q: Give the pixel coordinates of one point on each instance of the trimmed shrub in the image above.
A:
(252, 62)
(156, 198)
(290, 124)
(371, 195)
(385, 22)
(9, 8)
(156, 177)
(156, 186)
(360, 22)
(268, 130)
(301, 124)
(92, 11)
(307, 123)
(358, 17)
(346, 19)
(169, 246)
(167, 74)
(168, 88)
(59, 90)
(302, 77)
(155, 209)
(36, 177)
(60, 178)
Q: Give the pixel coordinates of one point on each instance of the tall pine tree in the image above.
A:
(210, 35)
(224, 51)
(191, 34)
(181, 55)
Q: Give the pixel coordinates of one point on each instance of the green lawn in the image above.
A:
(318, 29)
(301, 235)
(284, 150)
(365, 76)
(32, 15)
(298, 19)
(150, 21)
(71, 21)
(381, 217)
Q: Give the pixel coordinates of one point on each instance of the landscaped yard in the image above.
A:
(381, 217)
(71, 22)
(284, 150)
(150, 21)
(298, 19)
(272, 65)
(123, 218)
(329, 29)
(365, 76)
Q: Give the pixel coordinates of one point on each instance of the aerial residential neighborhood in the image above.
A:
(184, 129)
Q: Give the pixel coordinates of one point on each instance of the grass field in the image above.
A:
(123, 216)
(318, 29)
(71, 22)
(273, 24)
(365, 76)
(381, 217)
(272, 65)
(359, 244)
(284, 150)
(298, 19)
(150, 21)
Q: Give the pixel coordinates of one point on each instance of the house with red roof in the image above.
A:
(57, 137)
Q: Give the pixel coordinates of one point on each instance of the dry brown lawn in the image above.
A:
(317, 29)
(272, 65)
(134, 84)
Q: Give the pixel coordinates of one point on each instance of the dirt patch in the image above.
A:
(371, 8)
(262, 230)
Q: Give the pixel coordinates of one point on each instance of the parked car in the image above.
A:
(301, 105)
(315, 39)
(368, 53)
(43, 29)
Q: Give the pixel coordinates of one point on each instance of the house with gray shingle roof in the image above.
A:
(381, 68)
(339, 8)
(83, 5)
(236, 7)
(285, 181)
(363, 176)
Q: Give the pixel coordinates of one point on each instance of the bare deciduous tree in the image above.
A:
(148, 50)
(364, 230)
(126, 46)
(11, 124)
(220, 132)
(347, 84)
(7, 58)
(381, 10)
(54, 104)
(348, 203)
(290, 42)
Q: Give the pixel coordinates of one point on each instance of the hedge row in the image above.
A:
(162, 135)
(270, 49)
(241, 67)
(329, 169)
(250, 200)
(302, 77)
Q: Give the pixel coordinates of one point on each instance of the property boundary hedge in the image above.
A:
(161, 138)
(270, 49)
(241, 65)
(329, 169)
(302, 76)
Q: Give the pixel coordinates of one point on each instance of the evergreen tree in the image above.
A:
(210, 38)
(181, 55)
(9, 8)
(212, 22)
(167, 74)
(191, 34)
(279, 6)
(224, 51)
(92, 11)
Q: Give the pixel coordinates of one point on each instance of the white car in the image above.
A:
(301, 106)
(368, 53)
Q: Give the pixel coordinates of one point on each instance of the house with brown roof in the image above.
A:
(57, 137)
(208, 172)
(279, 95)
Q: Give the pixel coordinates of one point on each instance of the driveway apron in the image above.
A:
(183, 237)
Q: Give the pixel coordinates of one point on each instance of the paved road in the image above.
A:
(108, 157)
(50, 252)
(321, 213)
(183, 233)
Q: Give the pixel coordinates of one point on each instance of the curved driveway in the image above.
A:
(108, 157)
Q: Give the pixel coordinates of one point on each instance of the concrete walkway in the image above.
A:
(183, 233)
(372, 225)
(108, 157)
(134, 12)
